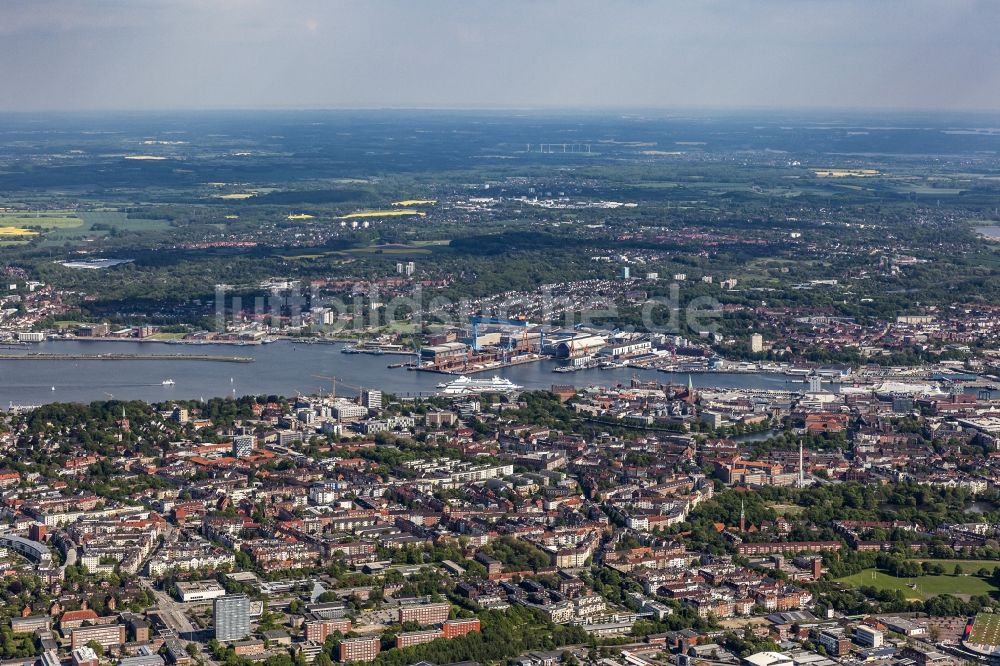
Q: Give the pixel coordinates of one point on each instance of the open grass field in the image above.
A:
(303, 257)
(926, 189)
(98, 223)
(924, 587)
(166, 336)
(970, 566)
(114, 218)
(787, 509)
(49, 219)
(394, 250)
(846, 173)
(986, 629)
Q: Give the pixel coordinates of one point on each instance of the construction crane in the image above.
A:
(333, 385)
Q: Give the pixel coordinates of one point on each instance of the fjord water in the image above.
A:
(281, 368)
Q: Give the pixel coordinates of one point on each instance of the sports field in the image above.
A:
(970, 566)
(921, 587)
(986, 629)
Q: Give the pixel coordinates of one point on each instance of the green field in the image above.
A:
(970, 566)
(48, 219)
(924, 586)
(395, 250)
(104, 221)
(58, 226)
(986, 629)
(166, 336)
(113, 218)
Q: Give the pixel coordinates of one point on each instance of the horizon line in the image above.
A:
(600, 109)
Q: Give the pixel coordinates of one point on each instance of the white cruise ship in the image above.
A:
(465, 385)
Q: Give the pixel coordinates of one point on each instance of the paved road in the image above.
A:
(172, 612)
(174, 615)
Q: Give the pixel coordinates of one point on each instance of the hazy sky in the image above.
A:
(194, 54)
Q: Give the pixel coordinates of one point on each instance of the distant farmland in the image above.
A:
(58, 226)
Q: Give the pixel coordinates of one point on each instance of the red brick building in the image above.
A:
(771, 548)
(409, 638)
(359, 649)
(826, 422)
(455, 628)
(318, 630)
(425, 613)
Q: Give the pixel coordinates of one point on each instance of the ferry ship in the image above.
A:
(465, 385)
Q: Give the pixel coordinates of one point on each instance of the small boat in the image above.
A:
(168, 382)
(53, 388)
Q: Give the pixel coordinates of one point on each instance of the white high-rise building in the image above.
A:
(371, 399)
(232, 617)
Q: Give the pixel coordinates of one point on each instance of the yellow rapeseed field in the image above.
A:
(16, 231)
(383, 213)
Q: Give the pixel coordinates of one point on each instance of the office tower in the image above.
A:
(243, 446)
(371, 399)
(232, 617)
